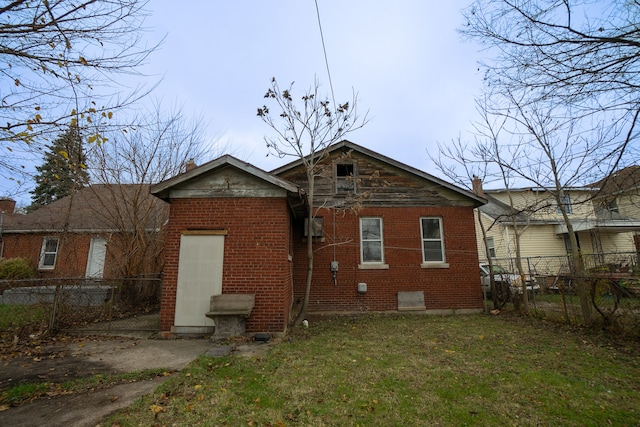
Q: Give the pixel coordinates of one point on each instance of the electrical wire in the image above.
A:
(324, 49)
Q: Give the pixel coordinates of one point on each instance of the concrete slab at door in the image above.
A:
(199, 277)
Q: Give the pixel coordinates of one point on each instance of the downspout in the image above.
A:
(334, 264)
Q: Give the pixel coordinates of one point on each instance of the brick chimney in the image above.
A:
(191, 165)
(7, 205)
(476, 184)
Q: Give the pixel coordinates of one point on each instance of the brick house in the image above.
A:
(386, 237)
(90, 234)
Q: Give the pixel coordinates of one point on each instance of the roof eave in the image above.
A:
(162, 190)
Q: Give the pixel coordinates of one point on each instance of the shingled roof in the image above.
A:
(620, 181)
(97, 208)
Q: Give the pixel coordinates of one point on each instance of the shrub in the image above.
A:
(15, 268)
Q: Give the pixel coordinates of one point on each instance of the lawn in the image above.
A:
(20, 316)
(382, 370)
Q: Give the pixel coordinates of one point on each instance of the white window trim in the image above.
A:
(568, 206)
(41, 265)
(372, 265)
(433, 264)
(491, 246)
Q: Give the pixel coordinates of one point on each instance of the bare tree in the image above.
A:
(464, 163)
(564, 74)
(578, 59)
(562, 158)
(490, 127)
(159, 146)
(60, 66)
(306, 131)
(156, 146)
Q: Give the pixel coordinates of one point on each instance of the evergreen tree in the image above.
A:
(63, 171)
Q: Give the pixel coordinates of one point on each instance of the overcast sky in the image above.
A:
(411, 69)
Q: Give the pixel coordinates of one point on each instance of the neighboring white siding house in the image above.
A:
(544, 242)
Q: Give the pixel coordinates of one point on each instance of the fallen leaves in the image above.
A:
(156, 409)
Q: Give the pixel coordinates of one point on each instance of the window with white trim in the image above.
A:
(371, 243)
(432, 244)
(566, 203)
(48, 254)
(491, 246)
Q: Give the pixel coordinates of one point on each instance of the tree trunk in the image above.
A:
(524, 308)
(577, 266)
(310, 218)
(492, 282)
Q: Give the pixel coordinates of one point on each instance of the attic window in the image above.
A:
(345, 178)
(612, 205)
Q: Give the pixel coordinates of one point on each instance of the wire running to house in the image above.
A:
(324, 49)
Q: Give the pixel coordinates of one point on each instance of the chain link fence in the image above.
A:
(104, 305)
(612, 280)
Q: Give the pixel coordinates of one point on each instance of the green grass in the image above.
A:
(22, 392)
(408, 370)
(17, 316)
(29, 391)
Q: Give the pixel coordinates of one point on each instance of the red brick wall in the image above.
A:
(256, 252)
(73, 251)
(456, 287)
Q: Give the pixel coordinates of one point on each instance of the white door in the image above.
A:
(97, 255)
(199, 277)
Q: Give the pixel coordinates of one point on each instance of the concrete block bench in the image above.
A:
(229, 312)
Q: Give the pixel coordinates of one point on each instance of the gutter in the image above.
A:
(82, 230)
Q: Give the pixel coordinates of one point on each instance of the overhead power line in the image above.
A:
(324, 49)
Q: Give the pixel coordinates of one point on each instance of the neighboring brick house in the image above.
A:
(92, 233)
(385, 232)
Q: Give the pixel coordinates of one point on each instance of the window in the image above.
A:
(371, 247)
(491, 247)
(48, 254)
(432, 244)
(566, 202)
(345, 178)
(612, 205)
(318, 227)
